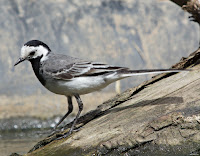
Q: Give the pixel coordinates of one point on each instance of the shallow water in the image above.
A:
(19, 145)
(21, 134)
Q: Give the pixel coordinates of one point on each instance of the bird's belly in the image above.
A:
(79, 85)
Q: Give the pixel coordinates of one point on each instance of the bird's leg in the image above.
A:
(80, 106)
(70, 109)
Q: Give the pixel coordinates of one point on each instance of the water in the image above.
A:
(21, 134)
(21, 143)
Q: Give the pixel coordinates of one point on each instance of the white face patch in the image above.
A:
(39, 51)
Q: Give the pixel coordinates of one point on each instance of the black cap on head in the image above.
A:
(36, 43)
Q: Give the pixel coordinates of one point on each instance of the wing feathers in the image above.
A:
(85, 69)
(95, 69)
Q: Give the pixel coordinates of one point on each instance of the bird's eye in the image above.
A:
(32, 53)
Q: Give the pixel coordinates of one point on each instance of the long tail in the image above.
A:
(126, 72)
(150, 71)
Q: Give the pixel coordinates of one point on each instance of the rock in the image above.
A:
(161, 116)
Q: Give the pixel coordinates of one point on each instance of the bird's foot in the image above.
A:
(54, 131)
(76, 129)
(65, 135)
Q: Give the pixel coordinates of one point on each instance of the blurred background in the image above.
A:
(137, 34)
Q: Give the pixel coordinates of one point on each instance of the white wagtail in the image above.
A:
(69, 76)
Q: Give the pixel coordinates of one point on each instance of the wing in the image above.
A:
(65, 67)
(85, 68)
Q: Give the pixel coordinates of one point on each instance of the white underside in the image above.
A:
(84, 85)
(79, 85)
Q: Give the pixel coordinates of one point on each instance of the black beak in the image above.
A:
(19, 61)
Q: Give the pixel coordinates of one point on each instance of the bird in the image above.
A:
(72, 77)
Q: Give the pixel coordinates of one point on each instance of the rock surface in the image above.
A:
(161, 114)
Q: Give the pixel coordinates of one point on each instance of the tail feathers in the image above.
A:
(150, 71)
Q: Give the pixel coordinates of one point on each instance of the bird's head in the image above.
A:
(33, 49)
